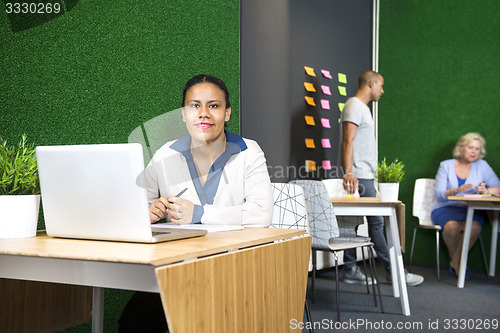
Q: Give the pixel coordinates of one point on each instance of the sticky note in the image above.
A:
(310, 165)
(310, 100)
(326, 143)
(342, 91)
(327, 165)
(310, 120)
(325, 104)
(341, 106)
(309, 86)
(342, 78)
(325, 122)
(326, 90)
(310, 143)
(309, 71)
(326, 74)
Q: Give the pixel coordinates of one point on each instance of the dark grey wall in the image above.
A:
(277, 39)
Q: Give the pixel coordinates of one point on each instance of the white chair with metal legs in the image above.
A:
(328, 236)
(424, 195)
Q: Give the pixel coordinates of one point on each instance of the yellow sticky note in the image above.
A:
(341, 106)
(310, 100)
(342, 78)
(309, 86)
(342, 91)
(309, 71)
(310, 143)
(310, 165)
(310, 120)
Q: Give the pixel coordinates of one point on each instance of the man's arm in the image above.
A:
(349, 133)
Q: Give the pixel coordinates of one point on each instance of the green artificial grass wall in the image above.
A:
(101, 68)
(440, 63)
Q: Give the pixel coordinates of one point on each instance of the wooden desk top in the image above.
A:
(136, 253)
(363, 200)
(478, 198)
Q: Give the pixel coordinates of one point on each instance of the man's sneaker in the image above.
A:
(355, 276)
(411, 279)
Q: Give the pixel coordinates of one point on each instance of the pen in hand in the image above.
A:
(181, 192)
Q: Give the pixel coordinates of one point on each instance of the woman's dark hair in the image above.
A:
(203, 78)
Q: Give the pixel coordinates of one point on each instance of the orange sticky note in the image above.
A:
(310, 120)
(310, 100)
(309, 71)
(341, 106)
(342, 91)
(309, 86)
(310, 143)
(310, 165)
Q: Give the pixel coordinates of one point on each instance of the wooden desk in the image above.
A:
(259, 274)
(473, 203)
(394, 211)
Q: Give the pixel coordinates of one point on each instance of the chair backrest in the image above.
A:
(322, 220)
(289, 211)
(424, 196)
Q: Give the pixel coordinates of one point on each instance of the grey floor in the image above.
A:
(435, 306)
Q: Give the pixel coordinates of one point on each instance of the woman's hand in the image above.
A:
(180, 210)
(158, 209)
(481, 188)
(464, 188)
(350, 184)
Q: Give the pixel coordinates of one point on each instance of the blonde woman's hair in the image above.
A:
(465, 140)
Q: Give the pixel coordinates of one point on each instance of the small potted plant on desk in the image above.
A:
(19, 190)
(389, 176)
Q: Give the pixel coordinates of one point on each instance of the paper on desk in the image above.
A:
(207, 227)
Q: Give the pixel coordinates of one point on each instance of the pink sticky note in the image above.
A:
(325, 104)
(325, 122)
(327, 165)
(326, 90)
(326, 143)
(326, 74)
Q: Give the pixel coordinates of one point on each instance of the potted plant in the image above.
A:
(19, 190)
(389, 176)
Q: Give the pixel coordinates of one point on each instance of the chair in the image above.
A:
(327, 236)
(289, 212)
(424, 195)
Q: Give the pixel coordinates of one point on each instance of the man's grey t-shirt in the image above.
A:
(363, 158)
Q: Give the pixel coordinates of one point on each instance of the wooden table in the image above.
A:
(394, 211)
(482, 203)
(251, 280)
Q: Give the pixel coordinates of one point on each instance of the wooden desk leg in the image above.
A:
(97, 309)
(494, 237)
(257, 289)
(400, 271)
(465, 247)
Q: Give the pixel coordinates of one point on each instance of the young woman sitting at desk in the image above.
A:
(466, 173)
(225, 175)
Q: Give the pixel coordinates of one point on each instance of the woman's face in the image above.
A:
(471, 151)
(205, 113)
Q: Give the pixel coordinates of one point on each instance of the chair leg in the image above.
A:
(484, 253)
(437, 254)
(372, 256)
(413, 246)
(366, 277)
(337, 291)
(372, 274)
(313, 274)
(308, 316)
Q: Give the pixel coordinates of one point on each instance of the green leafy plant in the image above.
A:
(18, 169)
(390, 173)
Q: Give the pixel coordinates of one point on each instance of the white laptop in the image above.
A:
(98, 192)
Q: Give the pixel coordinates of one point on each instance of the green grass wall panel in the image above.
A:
(440, 64)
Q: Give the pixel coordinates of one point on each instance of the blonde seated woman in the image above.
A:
(466, 173)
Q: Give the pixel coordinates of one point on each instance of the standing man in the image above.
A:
(359, 162)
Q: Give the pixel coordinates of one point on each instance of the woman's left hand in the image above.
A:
(180, 210)
(481, 188)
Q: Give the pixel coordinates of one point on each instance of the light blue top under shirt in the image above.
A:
(206, 193)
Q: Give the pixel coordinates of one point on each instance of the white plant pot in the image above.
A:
(19, 215)
(388, 191)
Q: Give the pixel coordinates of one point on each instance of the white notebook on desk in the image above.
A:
(207, 227)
